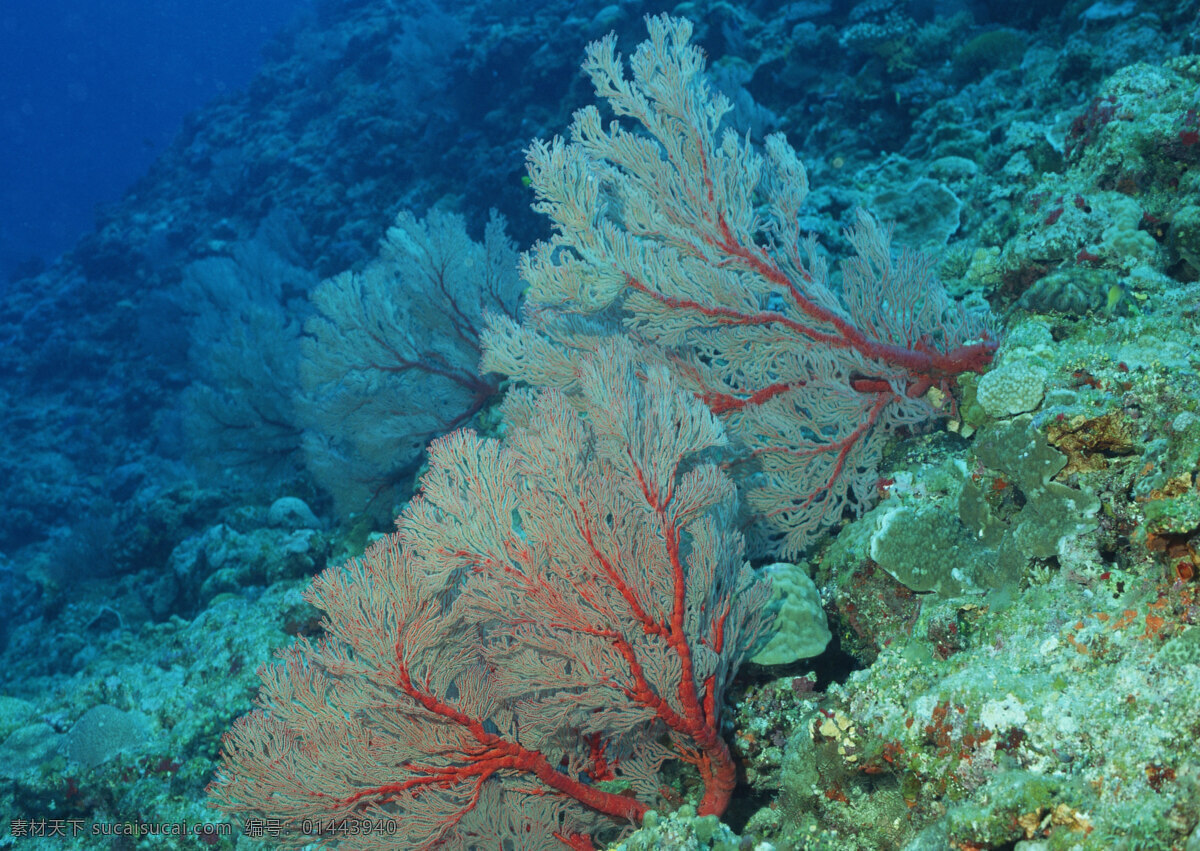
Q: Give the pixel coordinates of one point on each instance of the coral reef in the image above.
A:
(1012, 647)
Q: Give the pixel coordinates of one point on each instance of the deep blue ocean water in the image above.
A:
(275, 257)
(90, 93)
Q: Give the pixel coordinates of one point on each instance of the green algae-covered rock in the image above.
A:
(980, 532)
(799, 630)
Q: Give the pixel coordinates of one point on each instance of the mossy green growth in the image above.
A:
(1183, 649)
(1075, 290)
(680, 830)
(353, 539)
(992, 820)
(799, 629)
(969, 409)
(14, 714)
(990, 51)
(1176, 515)
(1014, 387)
(616, 787)
(1169, 456)
(924, 548)
(1052, 511)
(981, 532)
(1183, 238)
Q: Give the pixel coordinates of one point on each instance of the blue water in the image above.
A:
(91, 92)
(230, 385)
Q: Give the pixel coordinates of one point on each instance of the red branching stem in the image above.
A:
(597, 746)
(926, 364)
(716, 764)
(698, 721)
(463, 327)
(843, 446)
(917, 359)
(430, 365)
(640, 690)
(575, 841)
(493, 754)
(716, 768)
(710, 690)
(729, 316)
(648, 624)
(723, 403)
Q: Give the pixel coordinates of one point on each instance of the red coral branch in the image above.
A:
(493, 755)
